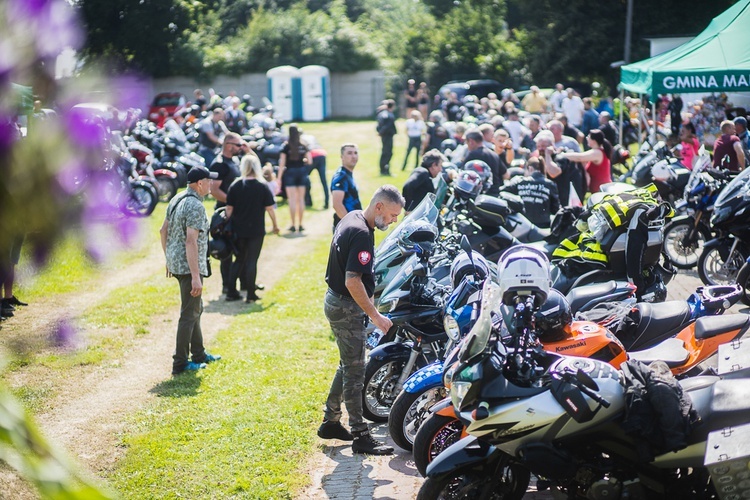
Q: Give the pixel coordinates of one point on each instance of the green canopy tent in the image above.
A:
(23, 98)
(717, 60)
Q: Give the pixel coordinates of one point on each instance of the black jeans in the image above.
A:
(386, 154)
(245, 266)
(319, 164)
(415, 143)
(189, 334)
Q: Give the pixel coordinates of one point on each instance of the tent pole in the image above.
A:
(640, 120)
(653, 112)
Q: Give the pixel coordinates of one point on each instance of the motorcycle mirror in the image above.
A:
(586, 380)
(465, 245)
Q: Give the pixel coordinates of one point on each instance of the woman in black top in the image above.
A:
(293, 162)
(248, 200)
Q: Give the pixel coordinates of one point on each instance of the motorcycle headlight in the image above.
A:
(721, 215)
(465, 386)
(451, 327)
(387, 305)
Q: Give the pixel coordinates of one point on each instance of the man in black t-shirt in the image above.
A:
(228, 170)
(564, 173)
(386, 129)
(477, 151)
(348, 303)
(539, 194)
(419, 183)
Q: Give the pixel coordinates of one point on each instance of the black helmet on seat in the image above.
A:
(463, 266)
(420, 234)
(468, 185)
(484, 171)
(553, 317)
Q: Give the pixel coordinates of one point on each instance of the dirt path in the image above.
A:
(91, 408)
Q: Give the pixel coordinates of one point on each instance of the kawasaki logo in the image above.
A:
(572, 346)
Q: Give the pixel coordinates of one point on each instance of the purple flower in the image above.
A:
(29, 9)
(65, 334)
(85, 130)
(57, 29)
(8, 133)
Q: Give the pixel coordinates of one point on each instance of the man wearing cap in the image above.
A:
(184, 239)
(740, 127)
(534, 102)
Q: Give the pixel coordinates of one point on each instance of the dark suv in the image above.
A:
(478, 88)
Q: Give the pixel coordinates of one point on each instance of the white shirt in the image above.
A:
(516, 131)
(415, 128)
(572, 107)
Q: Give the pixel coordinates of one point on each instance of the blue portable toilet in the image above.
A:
(285, 92)
(316, 93)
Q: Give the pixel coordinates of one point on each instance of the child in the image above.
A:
(270, 177)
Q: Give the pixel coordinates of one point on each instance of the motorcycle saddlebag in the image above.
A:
(490, 211)
(515, 202)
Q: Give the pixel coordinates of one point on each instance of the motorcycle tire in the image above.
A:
(681, 253)
(409, 411)
(505, 481)
(166, 187)
(378, 395)
(142, 200)
(712, 269)
(743, 278)
(436, 434)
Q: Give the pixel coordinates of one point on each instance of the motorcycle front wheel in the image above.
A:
(379, 390)
(142, 200)
(437, 433)
(714, 271)
(504, 482)
(166, 187)
(682, 248)
(743, 278)
(409, 412)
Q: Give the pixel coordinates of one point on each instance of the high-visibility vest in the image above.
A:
(617, 209)
(582, 248)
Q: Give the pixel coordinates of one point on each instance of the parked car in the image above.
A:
(478, 88)
(173, 102)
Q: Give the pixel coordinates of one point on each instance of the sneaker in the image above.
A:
(210, 358)
(292, 229)
(13, 300)
(231, 297)
(6, 310)
(300, 229)
(370, 446)
(251, 298)
(190, 367)
(334, 430)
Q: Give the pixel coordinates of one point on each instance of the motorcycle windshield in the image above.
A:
(737, 186)
(392, 289)
(441, 191)
(479, 335)
(426, 210)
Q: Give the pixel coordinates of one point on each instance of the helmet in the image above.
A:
(553, 317)
(418, 233)
(484, 171)
(523, 270)
(463, 266)
(468, 185)
(448, 144)
(662, 171)
(219, 248)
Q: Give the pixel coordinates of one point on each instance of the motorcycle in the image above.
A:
(650, 340)
(685, 235)
(743, 280)
(560, 418)
(724, 255)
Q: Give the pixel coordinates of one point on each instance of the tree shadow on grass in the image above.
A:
(184, 385)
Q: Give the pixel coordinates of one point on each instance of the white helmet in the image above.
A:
(662, 171)
(523, 271)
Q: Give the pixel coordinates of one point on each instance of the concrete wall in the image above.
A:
(354, 95)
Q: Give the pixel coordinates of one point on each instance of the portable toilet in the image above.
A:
(285, 92)
(316, 93)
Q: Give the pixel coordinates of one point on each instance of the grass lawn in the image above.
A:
(246, 427)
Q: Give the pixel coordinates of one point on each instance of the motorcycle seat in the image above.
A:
(661, 320)
(710, 326)
(580, 296)
(671, 351)
(543, 246)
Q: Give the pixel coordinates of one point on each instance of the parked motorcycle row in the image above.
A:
(479, 380)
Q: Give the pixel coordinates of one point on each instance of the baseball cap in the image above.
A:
(198, 173)
(741, 120)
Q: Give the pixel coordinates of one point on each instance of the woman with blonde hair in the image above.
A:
(248, 200)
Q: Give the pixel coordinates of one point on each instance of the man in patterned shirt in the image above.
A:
(184, 239)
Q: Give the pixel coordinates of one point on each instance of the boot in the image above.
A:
(365, 443)
(334, 430)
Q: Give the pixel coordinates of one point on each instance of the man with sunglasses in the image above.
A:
(227, 169)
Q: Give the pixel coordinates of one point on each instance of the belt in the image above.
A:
(342, 297)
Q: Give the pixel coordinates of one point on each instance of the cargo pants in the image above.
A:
(347, 321)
